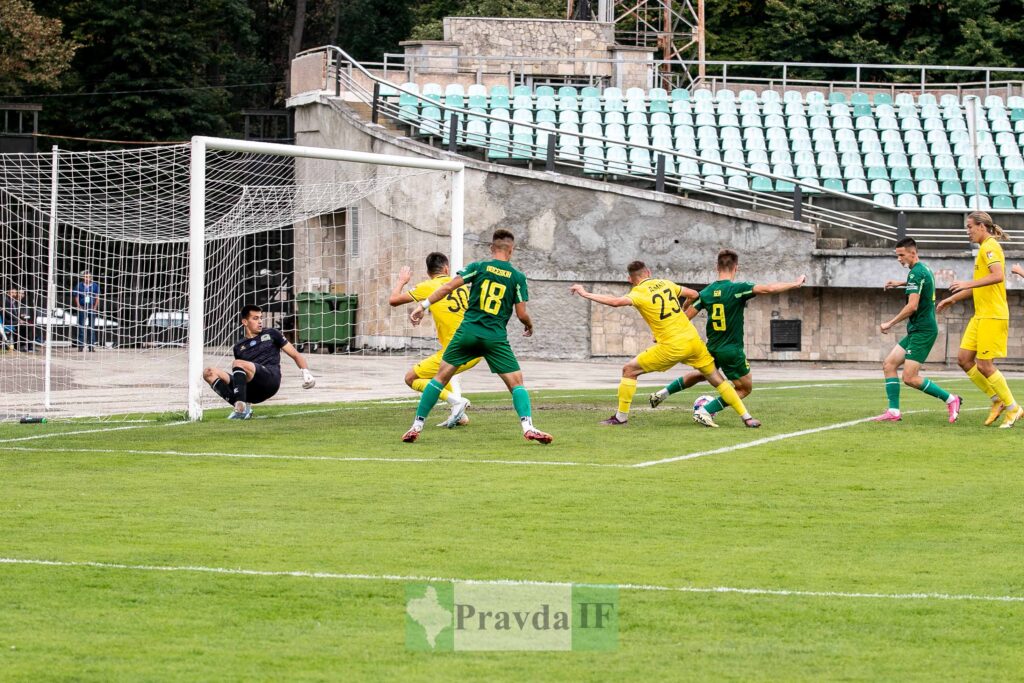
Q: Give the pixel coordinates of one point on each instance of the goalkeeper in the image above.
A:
(256, 371)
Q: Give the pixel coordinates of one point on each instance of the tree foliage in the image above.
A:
(33, 53)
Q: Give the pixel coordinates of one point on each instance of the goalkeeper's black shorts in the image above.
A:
(264, 383)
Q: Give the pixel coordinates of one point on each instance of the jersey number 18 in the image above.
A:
(491, 294)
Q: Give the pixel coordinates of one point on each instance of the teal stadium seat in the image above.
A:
(1002, 202)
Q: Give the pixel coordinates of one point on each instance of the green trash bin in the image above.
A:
(327, 319)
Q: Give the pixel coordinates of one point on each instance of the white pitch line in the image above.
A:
(51, 435)
(780, 592)
(271, 456)
(761, 442)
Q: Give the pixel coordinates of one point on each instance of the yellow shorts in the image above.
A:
(986, 336)
(661, 357)
(428, 367)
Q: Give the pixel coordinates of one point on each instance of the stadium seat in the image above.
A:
(680, 95)
(882, 98)
(952, 187)
(522, 91)
(883, 199)
(761, 184)
(1002, 202)
(857, 186)
(924, 174)
(837, 98)
(880, 186)
(907, 201)
(433, 91)
(593, 160)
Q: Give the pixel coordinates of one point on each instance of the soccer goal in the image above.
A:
(125, 271)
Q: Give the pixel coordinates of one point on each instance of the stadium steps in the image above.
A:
(365, 112)
(832, 243)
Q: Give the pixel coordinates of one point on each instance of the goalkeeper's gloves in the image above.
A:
(308, 381)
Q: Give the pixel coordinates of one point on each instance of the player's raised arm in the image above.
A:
(1017, 270)
(614, 301)
(441, 292)
(894, 284)
(308, 381)
(398, 297)
(779, 287)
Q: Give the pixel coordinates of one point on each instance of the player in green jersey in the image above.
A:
(725, 300)
(496, 291)
(922, 330)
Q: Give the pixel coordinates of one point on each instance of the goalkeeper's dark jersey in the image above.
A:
(263, 349)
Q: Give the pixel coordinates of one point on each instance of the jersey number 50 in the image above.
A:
(491, 294)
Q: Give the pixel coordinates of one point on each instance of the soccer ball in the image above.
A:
(701, 400)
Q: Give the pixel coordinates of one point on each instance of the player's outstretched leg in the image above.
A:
(912, 378)
(417, 382)
(674, 387)
(521, 402)
(428, 400)
(743, 386)
(729, 395)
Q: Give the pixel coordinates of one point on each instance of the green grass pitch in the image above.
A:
(894, 549)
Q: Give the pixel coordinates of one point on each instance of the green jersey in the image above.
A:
(921, 281)
(495, 288)
(725, 302)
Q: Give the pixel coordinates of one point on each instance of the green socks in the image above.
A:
(430, 395)
(892, 391)
(714, 405)
(932, 389)
(675, 386)
(521, 401)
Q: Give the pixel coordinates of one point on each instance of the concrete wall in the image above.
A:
(572, 229)
(530, 38)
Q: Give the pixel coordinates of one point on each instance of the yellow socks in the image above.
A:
(729, 395)
(627, 389)
(1001, 389)
(982, 382)
(421, 384)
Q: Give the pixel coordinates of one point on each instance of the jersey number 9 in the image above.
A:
(718, 317)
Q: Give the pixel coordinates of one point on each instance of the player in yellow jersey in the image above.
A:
(447, 314)
(676, 341)
(984, 339)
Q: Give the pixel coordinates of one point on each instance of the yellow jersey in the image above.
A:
(659, 305)
(990, 301)
(447, 312)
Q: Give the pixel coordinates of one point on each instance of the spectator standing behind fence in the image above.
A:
(18, 320)
(87, 301)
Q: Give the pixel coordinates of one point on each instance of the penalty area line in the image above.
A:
(761, 442)
(774, 592)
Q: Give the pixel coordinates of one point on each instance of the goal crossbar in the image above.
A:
(197, 225)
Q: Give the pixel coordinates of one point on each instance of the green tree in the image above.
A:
(33, 53)
(155, 70)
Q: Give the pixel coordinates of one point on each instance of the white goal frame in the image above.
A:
(197, 226)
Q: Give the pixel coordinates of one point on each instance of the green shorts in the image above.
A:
(919, 344)
(732, 361)
(471, 342)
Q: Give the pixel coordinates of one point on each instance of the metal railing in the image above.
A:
(782, 74)
(341, 73)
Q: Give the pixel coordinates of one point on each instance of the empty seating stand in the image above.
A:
(909, 151)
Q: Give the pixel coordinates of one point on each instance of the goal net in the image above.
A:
(125, 272)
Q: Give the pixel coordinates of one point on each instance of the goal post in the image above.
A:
(197, 225)
(168, 243)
